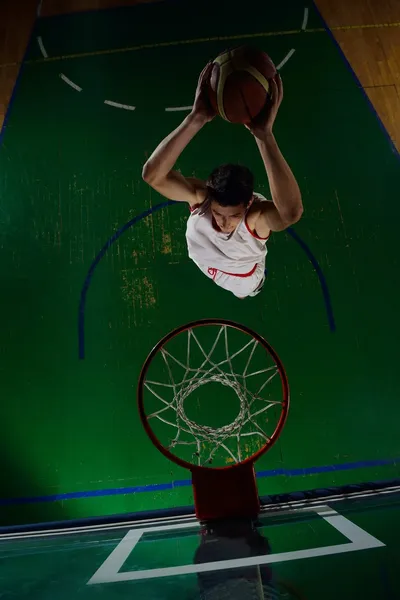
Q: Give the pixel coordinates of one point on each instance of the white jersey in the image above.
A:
(234, 253)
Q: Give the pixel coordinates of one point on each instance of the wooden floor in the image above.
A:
(372, 49)
(16, 21)
(368, 31)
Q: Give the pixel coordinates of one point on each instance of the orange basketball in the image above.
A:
(239, 83)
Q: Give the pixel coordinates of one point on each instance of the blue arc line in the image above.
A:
(321, 277)
(84, 291)
(157, 487)
(143, 215)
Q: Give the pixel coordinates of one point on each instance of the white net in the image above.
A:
(213, 354)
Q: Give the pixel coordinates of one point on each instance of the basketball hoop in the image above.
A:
(174, 405)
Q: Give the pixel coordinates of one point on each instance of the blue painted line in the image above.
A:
(357, 81)
(157, 487)
(329, 468)
(181, 511)
(117, 234)
(321, 277)
(139, 489)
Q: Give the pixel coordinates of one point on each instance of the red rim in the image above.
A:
(271, 352)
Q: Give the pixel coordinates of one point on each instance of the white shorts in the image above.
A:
(240, 285)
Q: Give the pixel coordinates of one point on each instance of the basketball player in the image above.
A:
(229, 223)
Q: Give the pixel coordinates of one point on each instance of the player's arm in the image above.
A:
(286, 207)
(159, 170)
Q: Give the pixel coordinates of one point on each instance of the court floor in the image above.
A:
(334, 547)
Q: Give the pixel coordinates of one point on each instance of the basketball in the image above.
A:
(239, 83)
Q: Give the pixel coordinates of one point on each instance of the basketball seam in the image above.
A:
(246, 106)
(234, 70)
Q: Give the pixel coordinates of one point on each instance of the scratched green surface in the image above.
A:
(61, 566)
(70, 178)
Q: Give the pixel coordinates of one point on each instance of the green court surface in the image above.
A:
(77, 323)
(343, 548)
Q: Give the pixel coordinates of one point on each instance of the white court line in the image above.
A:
(42, 48)
(304, 504)
(110, 570)
(190, 520)
(287, 57)
(177, 108)
(187, 521)
(305, 19)
(39, 8)
(118, 105)
(71, 83)
(116, 559)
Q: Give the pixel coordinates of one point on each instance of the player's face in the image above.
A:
(227, 217)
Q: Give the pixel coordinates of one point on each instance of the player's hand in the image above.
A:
(202, 107)
(262, 126)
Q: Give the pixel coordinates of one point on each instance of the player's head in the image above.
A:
(229, 193)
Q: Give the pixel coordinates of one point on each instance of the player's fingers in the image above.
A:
(279, 85)
(201, 76)
(274, 91)
(277, 93)
(261, 118)
(206, 71)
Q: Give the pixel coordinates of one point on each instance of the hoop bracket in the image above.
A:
(225, 493)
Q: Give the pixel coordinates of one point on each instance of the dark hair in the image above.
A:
(230, 185)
